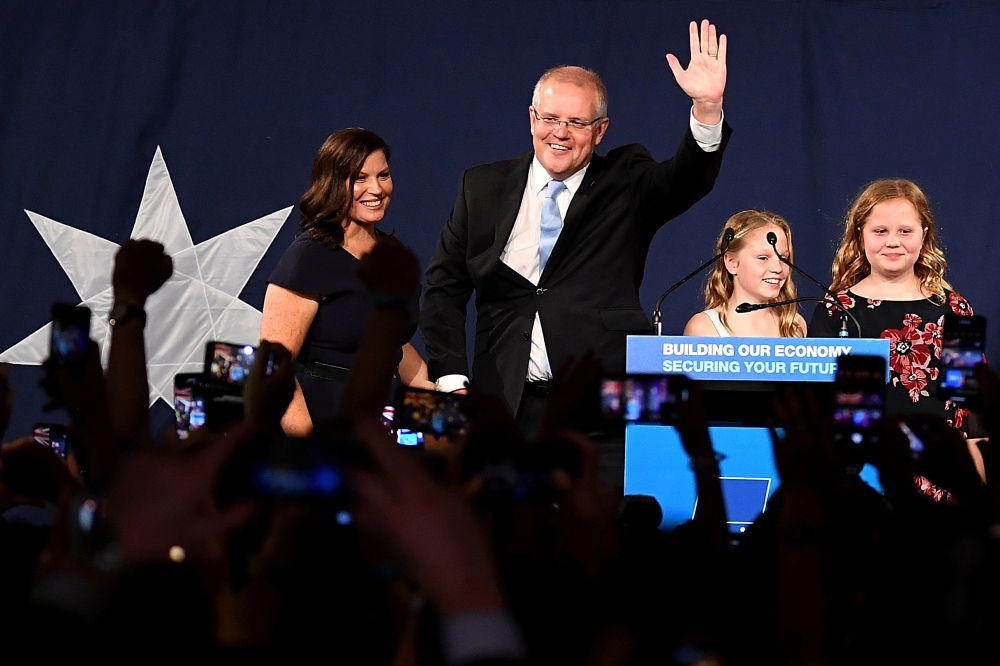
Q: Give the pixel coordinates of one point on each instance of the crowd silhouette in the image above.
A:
(480, 548)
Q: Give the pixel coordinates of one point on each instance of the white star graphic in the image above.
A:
(200, 302)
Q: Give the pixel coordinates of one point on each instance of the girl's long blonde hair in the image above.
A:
(720, 283)
(850, 266)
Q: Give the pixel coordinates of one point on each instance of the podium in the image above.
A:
(739, 377)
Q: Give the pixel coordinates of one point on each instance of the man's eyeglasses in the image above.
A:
(574, 124)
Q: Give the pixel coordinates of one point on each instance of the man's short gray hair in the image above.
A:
(578, 76)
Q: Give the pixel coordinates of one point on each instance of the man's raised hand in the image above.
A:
(704, 80)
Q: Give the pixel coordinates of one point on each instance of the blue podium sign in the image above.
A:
(747, 359)
(655, 464)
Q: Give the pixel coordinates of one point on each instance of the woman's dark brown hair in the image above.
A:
(328, 200)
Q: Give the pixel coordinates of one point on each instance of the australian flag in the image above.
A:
(190, 123)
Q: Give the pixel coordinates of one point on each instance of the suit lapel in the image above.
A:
(510, 203)
(574, 215)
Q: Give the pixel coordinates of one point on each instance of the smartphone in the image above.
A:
(434, 412)
(642, 398)
(963, 345)
(298, 468)
(70, 335)
(404, 436)
(52, 435)
(189, 403)
(858, 398)
(229, 364)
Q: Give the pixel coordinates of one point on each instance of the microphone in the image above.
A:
(743, 308)
(727, 238)
(772, 240)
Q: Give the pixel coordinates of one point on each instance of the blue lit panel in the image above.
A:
(655, 464)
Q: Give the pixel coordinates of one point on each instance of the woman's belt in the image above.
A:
(323, 370)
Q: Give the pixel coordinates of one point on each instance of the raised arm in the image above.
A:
(141, 267)
(667, 189)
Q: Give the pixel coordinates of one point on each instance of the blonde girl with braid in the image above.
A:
(751, 272)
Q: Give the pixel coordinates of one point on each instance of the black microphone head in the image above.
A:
(743, 308)
(727, 238)
(772, 238)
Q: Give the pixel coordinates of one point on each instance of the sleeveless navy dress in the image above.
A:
(345, 304)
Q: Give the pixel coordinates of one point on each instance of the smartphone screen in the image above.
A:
(70, 334)
(642, 398)
(423, 411)
(963, 346)
(859, 398)
(404, 436)
(51, 435)
(189, 403)
(228, 363)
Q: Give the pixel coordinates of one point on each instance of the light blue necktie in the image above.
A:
(551, 222)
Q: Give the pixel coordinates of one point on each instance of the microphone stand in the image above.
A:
(753, 307)
(657, 321)
(772, 240)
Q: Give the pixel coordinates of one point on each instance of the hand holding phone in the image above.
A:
(942, 454)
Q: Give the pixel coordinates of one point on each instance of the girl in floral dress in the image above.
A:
(889, 272)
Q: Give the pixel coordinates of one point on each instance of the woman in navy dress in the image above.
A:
(316, 305)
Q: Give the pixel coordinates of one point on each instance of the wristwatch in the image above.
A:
(122, 312)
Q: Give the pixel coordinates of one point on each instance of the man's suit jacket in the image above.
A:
(588, 294)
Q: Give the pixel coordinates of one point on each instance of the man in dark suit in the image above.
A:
(554, 243)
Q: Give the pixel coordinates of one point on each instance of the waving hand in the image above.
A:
(704, 80)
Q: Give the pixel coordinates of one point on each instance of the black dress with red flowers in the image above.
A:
(914, 332)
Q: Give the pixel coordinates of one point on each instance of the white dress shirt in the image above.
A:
(521, 250)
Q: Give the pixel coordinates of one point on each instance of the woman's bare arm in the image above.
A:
(287, 317)
(413, 369)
